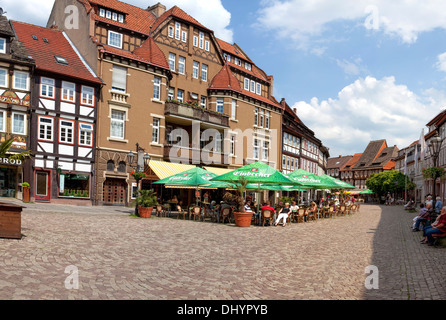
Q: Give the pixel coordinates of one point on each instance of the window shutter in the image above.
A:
(119, 78)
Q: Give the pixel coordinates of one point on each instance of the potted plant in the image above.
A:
(145, 201)
(242, 218)
(25, 186)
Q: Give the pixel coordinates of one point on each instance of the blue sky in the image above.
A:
(355, 70)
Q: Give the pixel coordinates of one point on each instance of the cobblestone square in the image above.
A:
(118, 256)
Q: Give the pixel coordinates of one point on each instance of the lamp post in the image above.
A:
(142, 160)
(434, 149)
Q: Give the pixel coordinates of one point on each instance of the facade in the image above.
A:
(346, 173)
(172, 89)
(16, 69)
(64, 103)
(335, 165)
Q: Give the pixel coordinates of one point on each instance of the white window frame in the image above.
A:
(157, 88)
(156, 130)
(2, 45)
(170, 31)
(20, 73)
(258, 88)
(172, 60)
(253, 86)
(85, 134)
(195, 69)
(5, 78)
(195, 41)
(48, 129)
(24, 123)
(207, 45)
(3, 121)
(220, 108)
(66, 129)
(180, 95)
(70, 87)
(201, 46)
(203, 102)
(184, 36)
(119, 72)
(265, 150)
(262, 118)
(181, 65)
(232, 145)
(47, 85)
(204, 72)
(102, 12)
(111, 43)
(177, 30)
(108, 14)
(114, 16)
(121, 18)
(171, 94)
(256, 116)
(246, 84)
(233, 109)
(120, 122)
(267, 119)
(88, 96)
(255, 149)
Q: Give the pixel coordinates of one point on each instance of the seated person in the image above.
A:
(423, 216)
(439, 226)
(311, 210)
(267, 206)
(283, 214)
(409, 204)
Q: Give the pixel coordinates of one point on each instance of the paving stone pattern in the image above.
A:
(123, 257)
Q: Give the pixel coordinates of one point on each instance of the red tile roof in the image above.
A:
(44, 53)
(150, 52)
(180, 14)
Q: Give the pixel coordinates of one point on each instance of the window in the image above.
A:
(204, 72)
(2, 121)
(61, 60)
(218, 142)
(232, 145)
(255, 154)
(117, 124)
(119, 81)
(256, 116)
(115, 39)
(171, 93)
(246, 87)
(248, 66)
(157, 88)
(87, 96)
(203, 102)
(183, 36)
(180, 95)
(102, 12)
(172, 59)
(68, 91)
(18, 123)
(177, 30)
(108, 14)
(115, 16)
(121, 18)
(110, 165)
(3, 78)
(201, 40)
(47, 87)
(220, 105)
(195, 41)
(45, 129)
(156, 130)
(253, 86)
(228, 57)
(66, 131)
(265, 153)
(233, 109)
(195, 70)
(2, 45)
(181, 65)
(268, 115)
(122, 167)
(206, 45)
(258, 88)
(85, 134)
(21, 80)
(170, 32)
(74, 185)
(262, 118)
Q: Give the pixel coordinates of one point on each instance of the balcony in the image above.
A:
(177, 109)
(193, 155)
(119, 97)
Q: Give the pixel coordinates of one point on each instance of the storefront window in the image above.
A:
(74, 185)
(8, 182)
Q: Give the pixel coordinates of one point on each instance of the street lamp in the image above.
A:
(434, 149)
(142, 161)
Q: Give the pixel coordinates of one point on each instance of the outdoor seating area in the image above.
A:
(281, 207)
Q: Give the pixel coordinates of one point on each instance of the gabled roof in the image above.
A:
(225, 80)
(338, 162)
(178, 13)
(382, 160)
(352, 162)
(57, 44)
(150, 52)
(18, 52)
(372, 151)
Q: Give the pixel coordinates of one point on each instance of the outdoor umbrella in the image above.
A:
(338, 184)
(195, 177)
(366, 191)
(259, 173)
(309, 180)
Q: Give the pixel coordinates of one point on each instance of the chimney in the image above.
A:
(157, 9)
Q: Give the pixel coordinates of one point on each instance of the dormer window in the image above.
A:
(115, 39)
(2, 45)
(112, 15)
(102, 12)
(61, 60)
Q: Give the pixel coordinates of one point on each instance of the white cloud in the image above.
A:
(210, 13)
(351, 68)
(441, 62)
(303, 20)
(370, 109)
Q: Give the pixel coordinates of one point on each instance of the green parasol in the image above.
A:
(309, 180)
(366, 191)
(338, 184)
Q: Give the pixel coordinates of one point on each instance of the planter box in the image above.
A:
(10, 221)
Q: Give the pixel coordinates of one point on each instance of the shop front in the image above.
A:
(11, 178)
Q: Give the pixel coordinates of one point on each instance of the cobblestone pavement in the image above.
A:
(123, 257)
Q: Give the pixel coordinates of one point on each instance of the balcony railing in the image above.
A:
(188, 154)
(195, 113)
(119, 97)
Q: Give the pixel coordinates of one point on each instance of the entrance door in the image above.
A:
(43, 185)
(114, 191)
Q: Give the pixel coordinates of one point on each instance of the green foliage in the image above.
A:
(146, 198)
(4, 149)
(25, 185)
(389, 181)
(237, 200)
(433, 173)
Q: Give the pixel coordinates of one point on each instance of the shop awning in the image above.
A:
(164, 169)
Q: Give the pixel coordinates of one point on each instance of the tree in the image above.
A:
(4, 151)
(389, 181)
